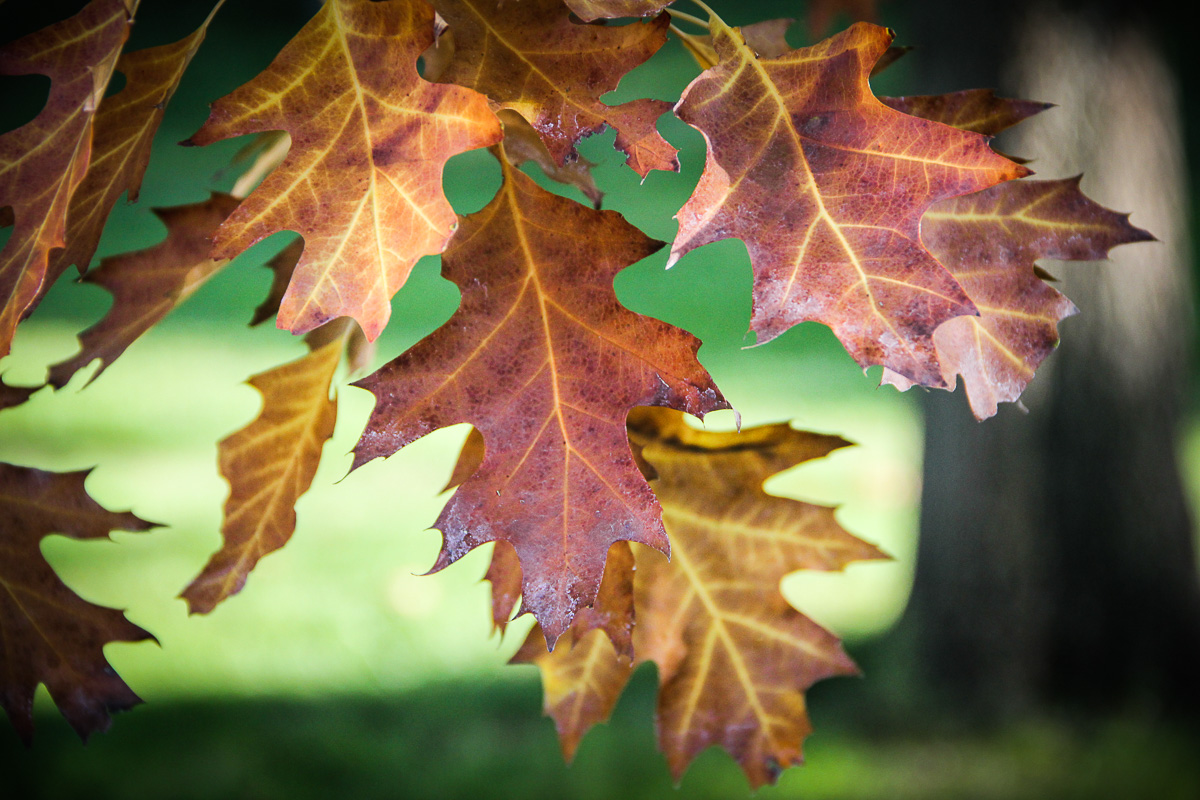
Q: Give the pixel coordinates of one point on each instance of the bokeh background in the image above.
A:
(1047, 647)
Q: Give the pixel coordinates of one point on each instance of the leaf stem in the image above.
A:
(685, 17)
(704, 7)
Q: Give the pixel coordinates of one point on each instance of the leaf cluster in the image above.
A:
(890, 220)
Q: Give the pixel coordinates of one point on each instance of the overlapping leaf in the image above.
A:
(363, 181)
(734, 658)
(47, 633)
(542, 359)
(990, 242)
(124, 132)
(269, 464)
(147, 284)
(43, 163)
(532, 58)
(826, 186)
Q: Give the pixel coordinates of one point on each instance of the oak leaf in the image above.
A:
(532, 58)
(522, 145)
(544, 361)
(990, 241)
(975, 110)
(147, 284)
(734, 658)
(124, 132)
(592, 10)
(826, 186)
(269, 464)
(48, 634)
(43, 162)
(363, 181)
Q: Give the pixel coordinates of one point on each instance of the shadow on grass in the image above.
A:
(485, 739)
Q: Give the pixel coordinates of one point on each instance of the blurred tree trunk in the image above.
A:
(1057, 564)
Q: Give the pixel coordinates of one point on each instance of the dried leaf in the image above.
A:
(583, 678)
(989, 241)
(734, 658)
(269, 464)
(147, 284)
(43, 163)
(282, 266)
(975, 110)
(532, 58)
(363, 181)
(826, 186)
(124, 132)
(522, 145)
(48, 634)
(592, 10)
(546, 364)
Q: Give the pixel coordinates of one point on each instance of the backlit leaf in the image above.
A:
(48, 634)
(124, 133)
(362, 182)
(975, 110)
(532, 58)
(734, 659)
(147, 284)
(591, 10)
(269, 464)
(44, 162)
(542, 359)
(826, 186)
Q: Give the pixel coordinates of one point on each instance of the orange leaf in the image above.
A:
(269, 464)
(546, 364)
(734, 659)
(147, 284)
(990, 241)
(532, 58)
(363, 181)
(47, 633)
(826, 186)
(43, 163)
(583, 678)
(125, 128)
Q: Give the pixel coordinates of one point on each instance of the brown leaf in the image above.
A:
(975, 110)
(504, 574)
(44, 162)
(269, 464)
(124, 132)
(989, 241)
(48, 634)
(768, 38)
(592, 10)
(734, 658)
(363, 181)
(546, 364)
(532, 58)
(826, 186)
(583, 678)
(282, 266)
(522, 145)
(147, 284)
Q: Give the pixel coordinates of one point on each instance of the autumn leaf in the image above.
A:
(43, 163)
(583, 678)
(826, 186)
(147, 284)
(542, 359)
(990, 241)
(975, 110)
(48, 634)
(282, 266)
(124, 132)
(269, 464)
(363, 181)
(522, 145)
(768, 38)
(734, 659)
(592, 10)
(532, 58)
